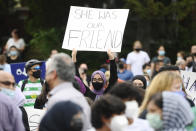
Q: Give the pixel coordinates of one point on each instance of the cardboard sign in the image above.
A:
(189, 80)
(34, 117)
(19, 73)
(92, 29)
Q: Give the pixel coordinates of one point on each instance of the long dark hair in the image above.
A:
(44, 92)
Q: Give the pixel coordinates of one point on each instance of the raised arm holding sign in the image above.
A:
(91, 29)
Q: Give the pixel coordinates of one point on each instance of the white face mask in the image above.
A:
(132, 109)
(118, 123)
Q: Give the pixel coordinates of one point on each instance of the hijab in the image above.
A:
(177, 113)
(101, 91)
(142, 78)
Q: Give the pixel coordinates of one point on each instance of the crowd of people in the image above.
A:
(132, 94)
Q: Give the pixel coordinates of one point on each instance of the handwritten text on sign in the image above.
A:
(189, 79)
(34, 117)
(92, 29)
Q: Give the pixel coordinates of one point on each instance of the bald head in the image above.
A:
(6, 80)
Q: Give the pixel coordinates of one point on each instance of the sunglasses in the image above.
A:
(36, 68)
(8, 83)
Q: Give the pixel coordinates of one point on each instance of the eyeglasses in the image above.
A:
(8, 83)
(98, 80)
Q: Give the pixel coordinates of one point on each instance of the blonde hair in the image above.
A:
(161, 82)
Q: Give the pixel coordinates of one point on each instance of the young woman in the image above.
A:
(168, 111)
(164, 81)
(98, 79)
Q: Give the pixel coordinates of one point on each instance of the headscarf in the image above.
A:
(142, 78)
(60, 117)
(177, 112)
(100, 92)
(82, 87)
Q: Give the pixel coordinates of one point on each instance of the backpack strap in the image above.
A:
(23, 84)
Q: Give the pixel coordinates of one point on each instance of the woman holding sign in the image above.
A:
(98, 79)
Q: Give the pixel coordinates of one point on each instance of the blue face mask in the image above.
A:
(8, 92)
(148, 72)
(179, 58)
(13, 53)
(180, 93)
(161, 53)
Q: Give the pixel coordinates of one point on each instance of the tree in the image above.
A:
(168, 22)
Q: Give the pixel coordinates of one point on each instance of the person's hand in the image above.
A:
(74, 54)
(110, 55)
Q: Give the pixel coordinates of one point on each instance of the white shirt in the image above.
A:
(18, 44)
(137, 60)
(189, 69)
(66, 92)
(139, 125)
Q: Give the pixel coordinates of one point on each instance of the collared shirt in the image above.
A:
(10, 115)
(125, 75)
(66, 92)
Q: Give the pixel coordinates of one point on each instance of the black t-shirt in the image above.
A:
(166, 60)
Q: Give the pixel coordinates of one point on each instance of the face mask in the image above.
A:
(118, 123)
(180, 93)
(189, 64)
(132, 109)
(121, 66)
(179, 59)
(97, 86)
(37, 74)
(8, 92)
(148, 72)
(154, 120)
(13, 53)
(161, 53)
(138, 49)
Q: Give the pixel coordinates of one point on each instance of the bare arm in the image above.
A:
(128, 67)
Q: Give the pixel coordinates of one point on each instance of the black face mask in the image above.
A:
(138, 49)
(189, 64)
(97, 86)
(121, 66)
(37, 74)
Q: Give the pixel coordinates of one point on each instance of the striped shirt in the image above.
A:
(31, 91)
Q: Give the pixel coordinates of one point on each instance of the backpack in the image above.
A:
(25, 82)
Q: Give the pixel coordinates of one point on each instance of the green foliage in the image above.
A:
(6, 6)
(43, 42)
(45, 14)
(151, 9)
